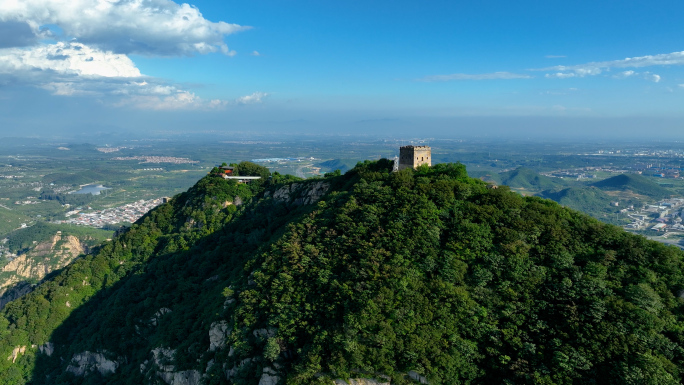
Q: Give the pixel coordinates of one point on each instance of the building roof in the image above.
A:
(242, 177)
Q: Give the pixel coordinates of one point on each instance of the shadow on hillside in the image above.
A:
(124, 320)
(16, 291)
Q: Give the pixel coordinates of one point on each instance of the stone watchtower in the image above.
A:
(414, 156)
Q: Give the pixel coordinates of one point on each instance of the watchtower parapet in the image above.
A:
(414, 156)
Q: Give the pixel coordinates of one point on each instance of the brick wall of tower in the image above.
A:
(414, 156)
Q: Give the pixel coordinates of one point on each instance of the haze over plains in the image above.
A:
(493, 68)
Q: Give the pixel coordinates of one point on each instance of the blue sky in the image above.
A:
(311, 66)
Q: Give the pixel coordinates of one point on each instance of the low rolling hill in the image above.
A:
(528, 179)
(486, 176)
(590, 200)
(637, 184)
(343, 165)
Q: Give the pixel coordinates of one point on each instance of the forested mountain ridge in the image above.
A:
(410, 277)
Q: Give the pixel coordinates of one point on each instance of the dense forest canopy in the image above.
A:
(418, 275)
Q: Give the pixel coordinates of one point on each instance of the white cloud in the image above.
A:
(75, 69)
(681, 85)
(626, 74)
(254, 98)
(561, 75)
(596, 68)
(489, 76)
(645, 75)
(67, 59)
(255, 53)
(181, 100)
(91, 43)
(148, 27)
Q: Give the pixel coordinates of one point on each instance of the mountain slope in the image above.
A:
(528, 179)
(586, 199)
(636, 183)
(417, 276)
(337, 164)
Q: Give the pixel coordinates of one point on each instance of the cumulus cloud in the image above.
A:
(489, 76)
(75, 69)
(561, 75)
(626, 74)
(81, 47)
(66, 59)
(147, 27)
(254, 98)
(596, 68)
(645, 75)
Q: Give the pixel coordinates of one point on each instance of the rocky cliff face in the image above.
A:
(298, 194)
(34, 265)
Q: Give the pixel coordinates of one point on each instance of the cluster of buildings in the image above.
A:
(227, 172)
(28, 201)
(281, 160)
(656, 170)
(662, 217)
(157, 159)
(107, 150)
(571, 174)
(582, 172)
(127, 213)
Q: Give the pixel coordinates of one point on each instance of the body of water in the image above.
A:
(94, 189)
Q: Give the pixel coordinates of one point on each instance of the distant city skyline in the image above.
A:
(498, 68)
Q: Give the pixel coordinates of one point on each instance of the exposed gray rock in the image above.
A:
(186, 377)
(157, 316)
(218, 332)
(283, 194)
(359, 381)
(265, 333)
(86, 362)
(417, 377)
(47, 348)
(301, 193)
(227, 302)
(313, 193)
(163, 357)
(269, 377)
(236, 368)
